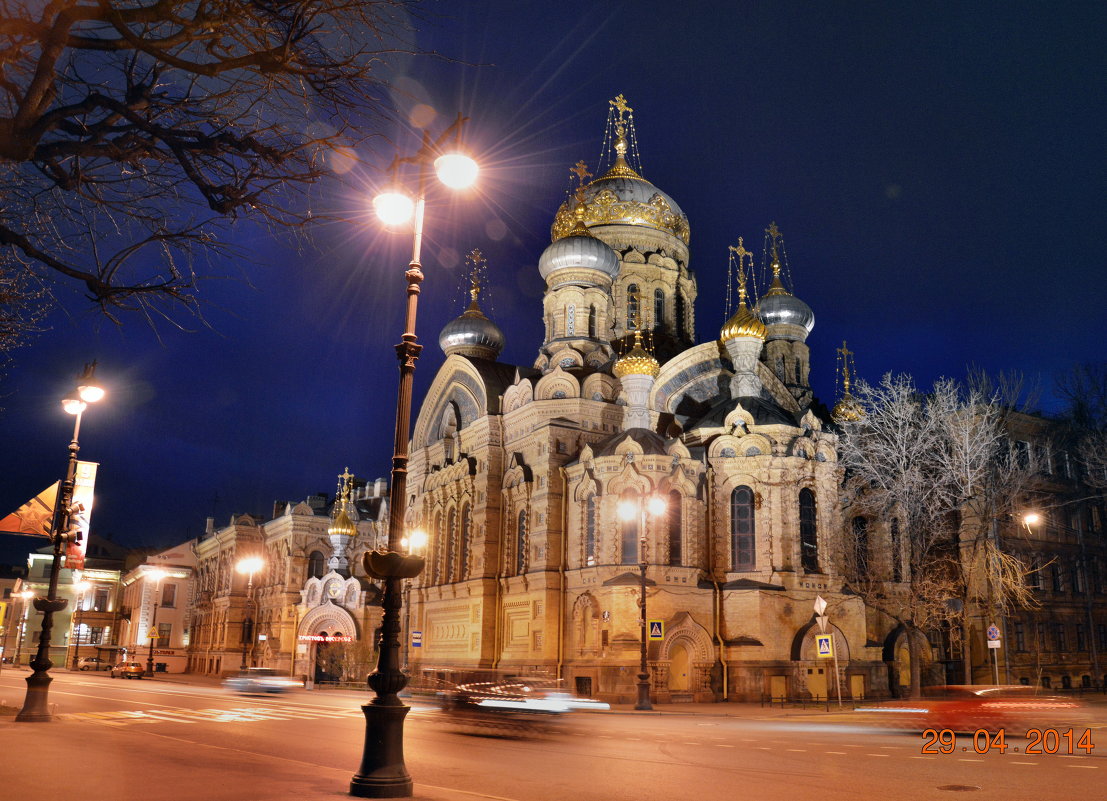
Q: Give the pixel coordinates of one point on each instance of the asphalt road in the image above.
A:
(162, 741)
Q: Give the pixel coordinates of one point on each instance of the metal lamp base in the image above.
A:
(383, 773)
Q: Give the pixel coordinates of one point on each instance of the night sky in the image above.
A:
(938, 171)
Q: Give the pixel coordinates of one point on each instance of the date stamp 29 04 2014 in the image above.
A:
(1068, 742)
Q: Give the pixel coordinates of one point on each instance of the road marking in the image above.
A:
(840, 753)
(690, 743)
(1093, 767)
(724, 745)
(963, 759)
(798, 750)
(879, 755)
(922, 757)
(1013, 762)
(762, 748)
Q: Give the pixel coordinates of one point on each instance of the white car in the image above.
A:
(92, 663)
(261, 680)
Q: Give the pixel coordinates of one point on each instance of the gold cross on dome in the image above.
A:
(773, 231)
(580, 170)
(620, 104)
(346, 475)
(740, 251)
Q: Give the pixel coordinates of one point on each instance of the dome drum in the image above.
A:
(472, 335)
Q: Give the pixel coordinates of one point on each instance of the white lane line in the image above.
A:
(965, 759)
(724, 745)
(1093, 767)
(878, 755)
(840, 753)
(797, 750)
(922, 757)
(1013, 762)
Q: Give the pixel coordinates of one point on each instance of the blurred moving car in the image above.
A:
(513, 706)
(261, 680)
(92, 663)
(969, 707)
(128, 670)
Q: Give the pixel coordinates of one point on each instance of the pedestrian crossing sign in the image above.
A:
(657, 630)
(824, 646)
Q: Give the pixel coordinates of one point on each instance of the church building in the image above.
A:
(720, 451)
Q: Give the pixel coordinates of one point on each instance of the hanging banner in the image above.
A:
(35, 517)
(81, 510)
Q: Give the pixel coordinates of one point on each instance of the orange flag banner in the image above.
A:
(34, 517)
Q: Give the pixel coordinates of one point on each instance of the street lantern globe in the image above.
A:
(417, 540)
(456, 170)
(250, 564)
(656, 505)
(627, 510)
(90, 393)
(1031, 518)
(393, 207)
(73, 405)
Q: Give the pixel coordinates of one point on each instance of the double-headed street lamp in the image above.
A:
(248, 566)
(156, 575)
(382, 773)
(35, 704)
(628, 510)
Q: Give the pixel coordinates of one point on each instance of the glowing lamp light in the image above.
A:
(456, 170)
(656, 505)
(627, 510)
(418, 540)
(251, 565)
(90, 393)
(1031, 518)
(393, 207)
(74, 405)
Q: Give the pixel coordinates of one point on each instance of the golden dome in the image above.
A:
(743, 323)
(847, 410)
(637, 361)
(342, 525)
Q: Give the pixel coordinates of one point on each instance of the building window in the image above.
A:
(95, 635)
(592, 321)
(743, 535)
(1022, 454)
(632, 307)
(1081, 637)
(1059, 644)
(521, 543)
(1058, 574)
(169, 595)
(809, 531)
(1101, 635)
(673, 512)
(315, 564)
(100, 600)
(897, 553)
(658, 308)
(590, 531)
(628, 539)
(1042, 637)
(681, 314)
(860, 546)
(1020, 637)
(164, 630)
(466, 533)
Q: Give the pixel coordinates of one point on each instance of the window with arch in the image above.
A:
(897, 557)
(860, 545)
(632, 307)
(809, 531)
(658, 308)
(681, 314)
(448, 542)
(673, 515)
(436, 554)
(521, 543)
(464, 539)
(590, 530)
(742, 533)
(628, 533)
(316, 564)
(592, 321)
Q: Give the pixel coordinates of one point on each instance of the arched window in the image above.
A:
(315, 564)
(809, 531)
(632, 307)
(463, 549)
(673, 511)
(658, 308)
(897, 557)
(742, 533)
(448, 541)
(860, 546)
(681, 314)
(436, 554)
(590, 531)
(592, 321)
(628, 534)
(521, 543)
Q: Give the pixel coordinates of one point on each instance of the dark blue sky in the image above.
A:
(938, 172)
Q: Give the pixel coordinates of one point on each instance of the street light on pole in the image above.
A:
(156, 574)
(248, 565)
(628, 510)
(413, 543)
(382, 773)
(35, 705)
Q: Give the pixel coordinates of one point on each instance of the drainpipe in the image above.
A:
(561, 575)
(718, 606)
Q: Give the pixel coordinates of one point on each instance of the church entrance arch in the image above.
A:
(324, 637)
(680, 665)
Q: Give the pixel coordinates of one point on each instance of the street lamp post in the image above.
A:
(157, 574)
(249, 566)
(35, 704)
(382, 773)
(627, 511)
(414, 543)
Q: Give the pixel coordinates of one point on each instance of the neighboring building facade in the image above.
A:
(160, 596)
(310, 609)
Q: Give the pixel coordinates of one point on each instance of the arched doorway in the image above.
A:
(680, 665)
(329, 659)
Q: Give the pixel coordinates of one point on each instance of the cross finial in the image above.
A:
(742, 254)
(620, 105)
(580, 170)
(475, 259)
(774, 235)
(846, 356)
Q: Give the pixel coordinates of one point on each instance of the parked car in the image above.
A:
(261, 680)
(128, 670)
(92, 663)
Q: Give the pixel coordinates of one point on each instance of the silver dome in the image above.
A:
(637, 190)
(578, 251)
(794, 317)
(472, 334)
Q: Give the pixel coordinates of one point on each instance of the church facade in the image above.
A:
(518, 474)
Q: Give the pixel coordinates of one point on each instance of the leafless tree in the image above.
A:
(133, 131)
(1084, 389)
(930, 477)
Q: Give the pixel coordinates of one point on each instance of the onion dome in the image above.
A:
(637, 361)
(623, 197)
(846, 410)
(787, 316)
(578, 250)
(472, 334)
(744, 322)
(342, 525)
